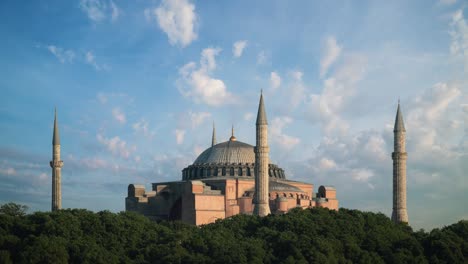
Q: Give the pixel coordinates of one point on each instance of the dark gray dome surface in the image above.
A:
(227, 152)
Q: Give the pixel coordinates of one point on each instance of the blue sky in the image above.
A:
(137, 85)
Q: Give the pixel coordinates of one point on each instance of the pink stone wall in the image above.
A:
(209, 202)
(207, 217)
(245, 205)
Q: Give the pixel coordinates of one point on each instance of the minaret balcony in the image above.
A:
(56, 163)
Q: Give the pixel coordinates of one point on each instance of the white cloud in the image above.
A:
(94, 163)
(331, 53)
(91, 60)
(238, 48)
(248, 116)
(275, 80)
(447, 2)
(362, 174)
(116, 146)
(327, 164)
(459, 34)
(177, 18)
(337, 92)
(276, 130)
(43, 177)
(197, 150)
(427, 117)
(297, 89)
(202, 88)
(119, 115)
(115, 11)
(198, 118)
(8, 171)
(180, 134)
(62, 55)
(142, 126)
(261, 58)
(98, 10)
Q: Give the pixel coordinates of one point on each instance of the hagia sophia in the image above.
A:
(234, 177)
(226, 179)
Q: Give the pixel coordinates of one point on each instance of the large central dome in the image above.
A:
(232, 158)
(227, 152)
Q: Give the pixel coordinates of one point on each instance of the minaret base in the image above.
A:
(261, 209)
(399, 215)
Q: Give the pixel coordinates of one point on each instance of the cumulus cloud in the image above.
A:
(428, 120)
(331, 52)
(361, 174)
(116, 146)
(248, 116)
(278, 136)
(197, 118)
(447, 2)
(64, 56)
(275, 80)
(177, 18)
(238, 48)
(179, 134)
(91, 60)
(99, 10)
(459, 34)
(337, 92)
(327, 164)
(202, 88)
(297, 89)
(8, 171)
(119, 115)
(142, 126)
(262, 58)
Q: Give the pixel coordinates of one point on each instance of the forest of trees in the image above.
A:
(301, 236)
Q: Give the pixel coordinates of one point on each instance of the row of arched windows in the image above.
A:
(191, 173)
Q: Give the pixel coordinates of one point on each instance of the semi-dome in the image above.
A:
(231, 151)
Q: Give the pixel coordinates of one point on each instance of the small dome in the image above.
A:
(232, 151)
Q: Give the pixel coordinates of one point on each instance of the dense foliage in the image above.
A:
(301, 236)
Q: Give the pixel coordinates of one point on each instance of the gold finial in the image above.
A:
(233, 138)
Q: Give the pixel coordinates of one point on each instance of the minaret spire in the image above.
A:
(399, 156)
(56, 136)
(213, 137)
(261, 200)
(56, 165)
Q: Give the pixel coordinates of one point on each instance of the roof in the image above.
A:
(277, 186)
(227, 152)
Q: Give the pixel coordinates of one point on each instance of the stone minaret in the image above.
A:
(56, 165)
(261, 199)
(399, 156)
(213, 137)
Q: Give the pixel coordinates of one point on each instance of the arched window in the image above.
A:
(239, 172)
(215, 171)
(208, 172)
(248, 171)
(224, 171)
(201, 172)
(231, 171)
(195, 173)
